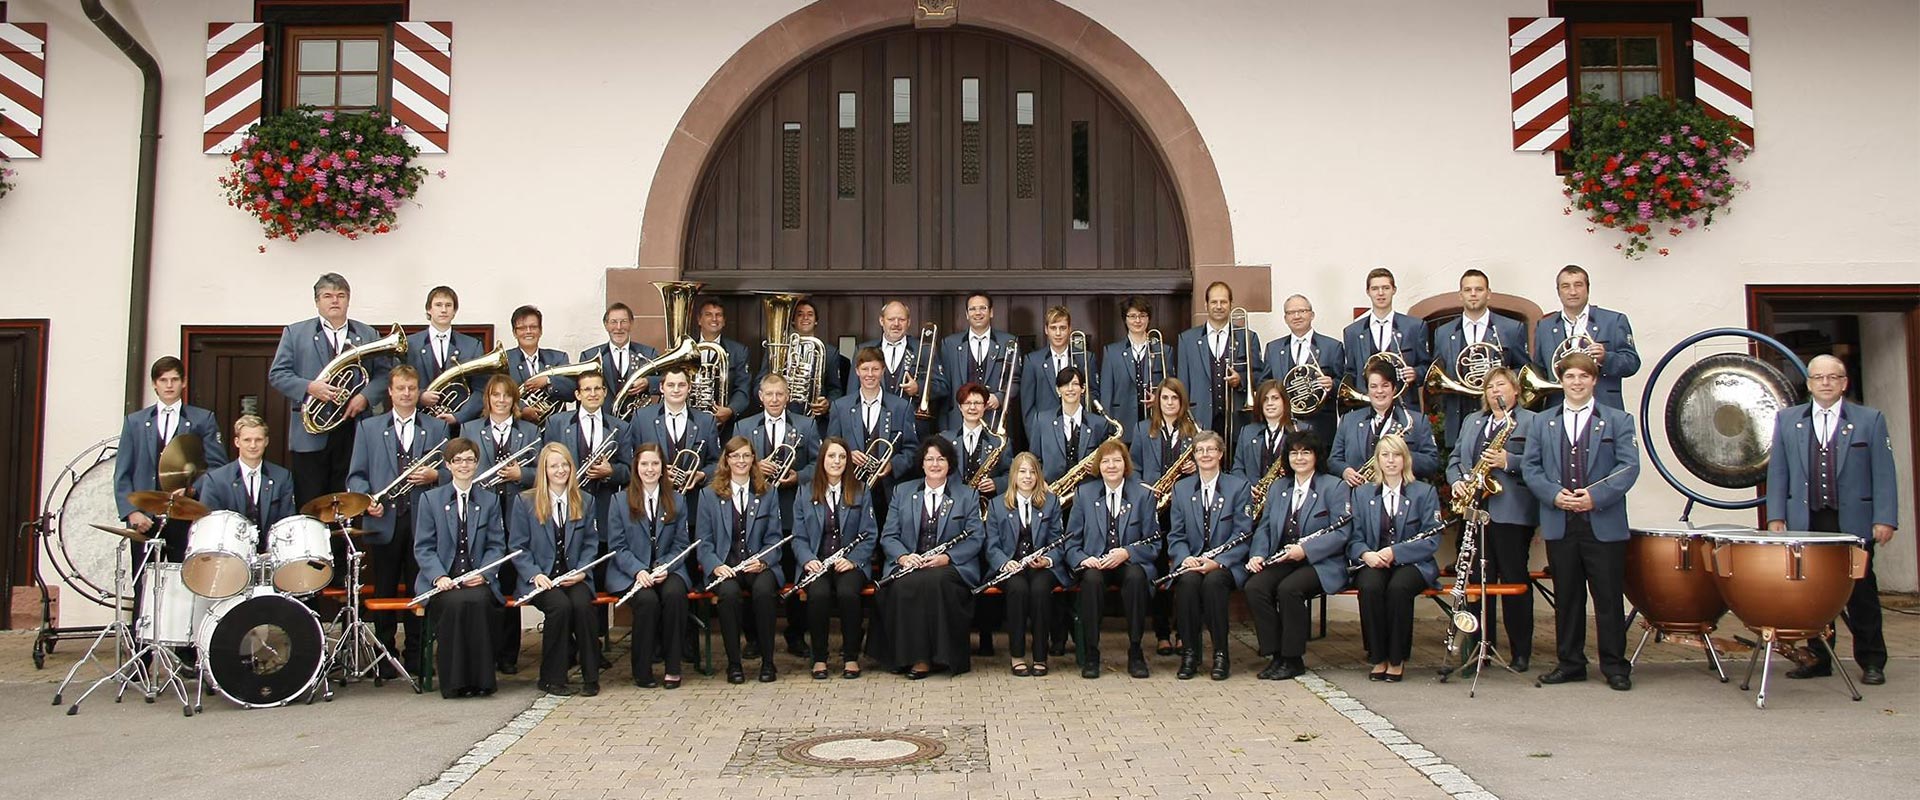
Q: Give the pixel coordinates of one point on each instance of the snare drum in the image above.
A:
(261, 649)
(168, 609)
(1669, 581)
(1791, 584)
(300, 555)
(221, 549)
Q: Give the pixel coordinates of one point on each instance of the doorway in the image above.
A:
(23, 370)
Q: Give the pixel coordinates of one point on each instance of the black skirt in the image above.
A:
(928, 614)
(463, 629)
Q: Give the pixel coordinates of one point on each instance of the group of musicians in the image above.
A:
(1143, 470)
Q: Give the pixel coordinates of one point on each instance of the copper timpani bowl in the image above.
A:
(1669, 579)
(1790, 584)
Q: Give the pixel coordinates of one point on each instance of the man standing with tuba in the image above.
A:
(731, 408)
(319, 460)
(1607, 335)
(1489, 341)
(1832, 470)
(831, 383)
(620, 355)
(1214, 362)
(1308, 352)
(439, 347)
(1384, 331)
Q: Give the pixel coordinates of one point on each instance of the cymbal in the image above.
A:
(182, 462)
(351, 531)
(351, 504)
(119, 531)
(158, 503)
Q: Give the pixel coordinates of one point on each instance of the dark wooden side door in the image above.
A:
(23, 369)
(227, 374)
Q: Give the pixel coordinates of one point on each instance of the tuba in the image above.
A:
(709, 373)
(542, 401)
(452, 386)
(802, 360)
(346, 373)
(629, 402)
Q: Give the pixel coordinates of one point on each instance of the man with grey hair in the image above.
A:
(1304, 345)
(1832, 470)
(319, 461)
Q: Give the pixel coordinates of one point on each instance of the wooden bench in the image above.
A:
(1473, 592)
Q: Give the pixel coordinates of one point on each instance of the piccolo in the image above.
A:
(1211, 553)
(467, 576)
(568, 575)
(755, 557)
(1006, 574)
(814, 576)
(658, 572)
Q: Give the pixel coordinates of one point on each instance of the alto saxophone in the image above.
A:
(1480, 481)
(1085, 467)
(989, 461)
(1265, 484)
(1163, 487)
(1370, 471)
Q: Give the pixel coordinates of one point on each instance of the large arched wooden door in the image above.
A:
(926, 164)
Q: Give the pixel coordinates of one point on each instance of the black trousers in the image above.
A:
(836, 594)
(1863, 606)
(1160, 608)
(1277, 597)
(1135, 593)
(1508, 546)
(1386, 610)
(1583, 565)
(323, 471)
(659, 624)
(764, 593)
(794, 608)
(1201, 599)
(507, 625)
(1029, 597)
(393, 569)
(569, 624)
(463, 656)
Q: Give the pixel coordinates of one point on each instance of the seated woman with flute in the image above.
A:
(553, 530)
(456, 531)
(648, 535)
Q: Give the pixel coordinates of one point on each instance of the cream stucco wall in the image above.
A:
(1347, 135)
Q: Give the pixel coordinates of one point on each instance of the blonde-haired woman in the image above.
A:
(1396, 562)
(553, 530)
(1027, 518)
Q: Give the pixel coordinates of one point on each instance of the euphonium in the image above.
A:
(627, 401)
(452, 386)
(710, 378)
(346, 374)
(542, 401)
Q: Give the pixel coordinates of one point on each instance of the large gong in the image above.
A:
(1720, 418)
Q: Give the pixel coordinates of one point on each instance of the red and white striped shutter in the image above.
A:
(1723, 71)
(423, 82)
(1537, 64)
(23, 81)
(235, 75)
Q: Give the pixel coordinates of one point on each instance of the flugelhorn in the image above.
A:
(451, 383)
(346, 374)
(400, 486)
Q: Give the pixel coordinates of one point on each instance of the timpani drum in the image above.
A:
(1669, 580)
(1789, 585)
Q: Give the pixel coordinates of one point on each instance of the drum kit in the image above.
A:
(229, 616)
(1787, 587)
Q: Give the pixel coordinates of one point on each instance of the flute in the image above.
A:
(569, 574)
(658, 573)
(814, 576)
(755, 557)
(467, 576)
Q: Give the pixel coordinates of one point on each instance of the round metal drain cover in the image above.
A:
(866, 750)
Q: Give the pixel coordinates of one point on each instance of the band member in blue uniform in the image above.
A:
(553, 528)
(528, 359)
(678, 428)
(1262, 442)
(1040, 367)
(1477, 324)
(739, 518)
(1024, 519)
(1383, 330)
(620, 355)
(733, 407)
(1132, 368)
(868, 415)
(927, 610)
(1513, 511)
(1113, 529)
(1361, 429)
(1298, 526)
(248, 484)
(1303, 345)
(977, 355)
(501, 434)
(144, 434)
(1156, 447)
(1211, 509)
(431, 351)
(648, 529)
(457, 529)
(385, 448)
(1396, 562)
(1217, 362)
(835, 513)
(319, 461)
(1611, 334)
(902, 360)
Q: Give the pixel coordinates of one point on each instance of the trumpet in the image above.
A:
(543, 401)
(491, 478)
(929, 345)
(784, 454)
(879, 453)
(602, 452)
(346, 374)
(400, 486)
(451, 386)
(686, 462)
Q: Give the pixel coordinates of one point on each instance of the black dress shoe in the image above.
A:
(1520, 664)
(1222, 667)
(1294, 668)
(386, 670)
(1091, 667)
(768, 673)
(1564, 675)
(507, 667)
(918, 674)
(645, 681)
(1811, 671)
(1189, 666)
(557, 690)
(671, 683)
(1873, 676)
(1272, 670)
(1137, 663)
(1619, 683)
(736, 674)
(1164, 649)
(590, 689)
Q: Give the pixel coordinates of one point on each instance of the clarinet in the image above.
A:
(1005, 574)
(659, 571)
(755, 557)
(1223, 547)
(938, 549)
(1302, 541)
(1157, 536)
(808, 579)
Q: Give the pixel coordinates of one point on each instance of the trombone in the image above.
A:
(922, 373)
(1005, 384)
(1237, 321)
(1156, 352)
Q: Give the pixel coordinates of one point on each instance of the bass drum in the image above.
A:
(169, 611)
(82, 494)
(261, 648)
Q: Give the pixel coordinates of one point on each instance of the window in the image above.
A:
(1623, 61)
(334, 68)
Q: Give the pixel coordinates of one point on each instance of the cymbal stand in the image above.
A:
(134, 669)
(1485, 652)
(358, 652)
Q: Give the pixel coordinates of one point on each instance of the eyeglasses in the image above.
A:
(1826, 378)
(463, 460)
